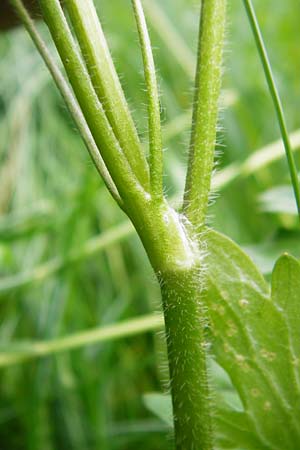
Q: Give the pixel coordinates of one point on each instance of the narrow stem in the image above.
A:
(207, 91)
(69, 99)
(186, 343)
(275, 97)
(106, 83)
(115, 160)
(155, 137)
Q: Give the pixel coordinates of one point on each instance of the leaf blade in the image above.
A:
(245, 323)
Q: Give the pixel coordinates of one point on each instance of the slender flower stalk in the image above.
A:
(155, 136)
(275, 97)
(106, 83)
(205, 113)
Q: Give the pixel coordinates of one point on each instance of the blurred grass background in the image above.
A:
(53, 206)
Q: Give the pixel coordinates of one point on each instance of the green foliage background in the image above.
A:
(52, 202)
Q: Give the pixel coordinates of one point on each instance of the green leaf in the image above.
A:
(253, 339)
(286, 296)
(234, 430)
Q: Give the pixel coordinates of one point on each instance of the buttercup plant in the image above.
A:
(205, 278)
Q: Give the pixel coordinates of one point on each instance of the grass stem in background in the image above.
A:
(37, 349)
(275, 97)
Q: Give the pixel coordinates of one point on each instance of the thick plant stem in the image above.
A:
(205, 113)
(185, 333)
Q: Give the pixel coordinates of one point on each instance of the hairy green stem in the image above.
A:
(276, 99)
(207, 91)
(155, 137)
(169, 240)
(115, 160)
(186, 343)
(106, 83)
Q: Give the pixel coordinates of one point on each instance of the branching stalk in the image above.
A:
(69, 99)
(275, 98)
(115, 160)
(207, 91)
(155, 137)
(106, 83)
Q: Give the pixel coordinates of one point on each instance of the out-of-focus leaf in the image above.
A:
(265, 254)
(278, 200)
(160, 405)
